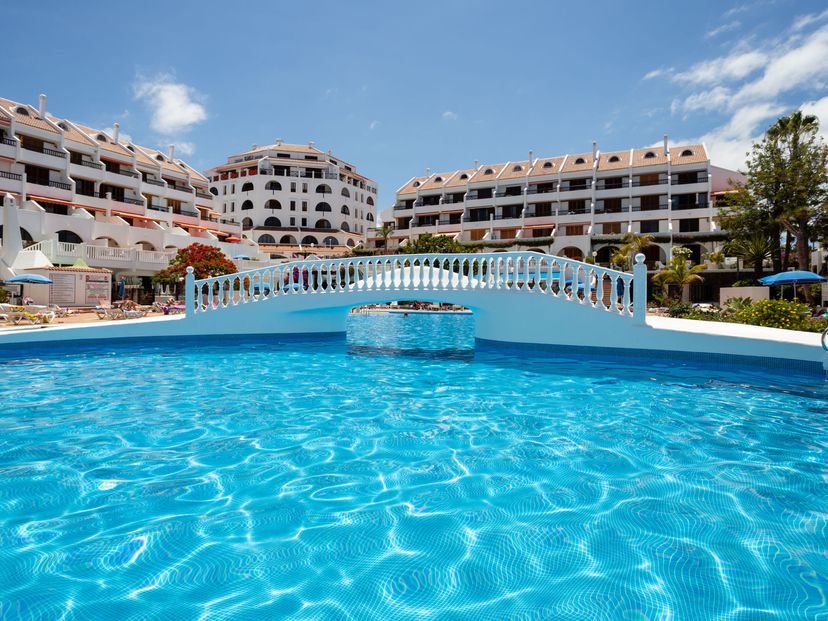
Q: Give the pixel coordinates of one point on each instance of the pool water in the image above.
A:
(401, 474)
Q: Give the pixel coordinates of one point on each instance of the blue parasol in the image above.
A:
(30, 279)
(792, 278)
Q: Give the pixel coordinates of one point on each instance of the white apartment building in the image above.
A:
(295, 198)
(83, 193)
(579, 204)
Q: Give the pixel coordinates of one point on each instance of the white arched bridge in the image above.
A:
(515, 296)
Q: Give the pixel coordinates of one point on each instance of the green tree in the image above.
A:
(385, 231)
(680, 272)
(632, 245)
(428, 243)
(752, 250)
(207, 261)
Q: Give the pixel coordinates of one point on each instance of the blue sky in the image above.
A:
(395, 87)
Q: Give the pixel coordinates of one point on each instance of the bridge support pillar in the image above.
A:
(640, 290)
(189, 292)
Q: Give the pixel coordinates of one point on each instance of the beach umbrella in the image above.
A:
(792, 278)
(30, 279)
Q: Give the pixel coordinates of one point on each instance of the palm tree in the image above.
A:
(633, 244)
(680, 272)
(385, 230)
(752, 250)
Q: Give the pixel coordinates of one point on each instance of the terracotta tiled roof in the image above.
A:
(457, 180)
(165, 163)
(605, 163)
(640, 156)
(486, 173)
(412, 186)
(70, 133)
(572, 165)
(435, 181)
(196, 176)
(697, 155)
(284, 147)
(31, 119)
(541, 168)
(108, 145)
(100, 270)
(511, 173)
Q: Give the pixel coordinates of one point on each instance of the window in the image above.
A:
(323, 188)
(649, 226)
(686, 153)
(233, 189)
(370, 201)
(22, 110)
(649, 155)
(247, 205)
(345, 193)
(293, 205)
(304, 205)
(517, 168)
(612, 205)
(614, 159)
(309, 239)
(292, 186)
(612, 228)
(159, 157)
(287, 239)
(323, 207)
(416, 184)
(573, 229)
(580, 160)
(273, 186)
(464, 176)
(488, 171)
(330, 241)
(347, 228)
(345, 210)
(689, 225)
(547, 164)
(247, 187)
(233, 206)
(267, 239)
(322, 224)
(369, 217)
(305, 188)
(100, 138)
(69, 237)
(578, 206)
(214, 191)
(438, 179)
(304, 222)
(650, 203)
(224, 190)
(273, 204)
(293, 222)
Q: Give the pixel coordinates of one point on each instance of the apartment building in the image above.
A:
(579, 204)
(84, 193)
(295, 198)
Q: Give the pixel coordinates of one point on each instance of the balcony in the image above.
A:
(599, 209)
(203, 194)
(154, 182)
(637, 183)
(695, 205)
(9, 141)
(577, 187)
(402, 207)
(574, 211)
(130, 201)
(11, 176)
(611, 186)
(533, 189)
(53, 152)
(182, 211)
(126, 173)
(60, 185)
(89, 164)
(700, 178)
(650, 207)
(101, 256)
(158, 207)
(180, 188)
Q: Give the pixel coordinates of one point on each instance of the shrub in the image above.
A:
(679, 309)
(4, 296)
(738, 304)
(746, 282)
(712, 314)
(776, 314)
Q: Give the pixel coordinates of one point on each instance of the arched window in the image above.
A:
(571, 252)
(63, 126)
(517, 168)
(100, 138)
(345, 227)
(615, 158)
(369, 216)
(159, 157)
(288, 239)
(370, 201)
(214, 191)
(547, 164)
(309, 239)
(438, 179)
(488, 171)
(22, 110)
(323, 207)
(247, 187)
(247, 205)
(24, 235)
(464, 176)
(273, 185)
(686, 153)
(267, 239)
(247, 222)
(349, 242)
(69, 237)
(330, 241)
(323, 188)
(649, 155)
(111, 243)
(580, 160)
(346, 193)
(271, 221)
(345, 210)
(322, 224)
(144, 245)
(273, 204)
(416, 184)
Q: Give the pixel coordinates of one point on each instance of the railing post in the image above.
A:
(640, 290)
(189, 292)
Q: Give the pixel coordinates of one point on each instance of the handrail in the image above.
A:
(824, 337)
(526, 272)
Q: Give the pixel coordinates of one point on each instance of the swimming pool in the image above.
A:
(404, 475)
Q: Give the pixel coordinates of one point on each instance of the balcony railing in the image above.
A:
(509, 192)
(52, 184)
(402, 207)
(701, 178)
(53, 152)
(203, 194)
(10, 141)
(533, 189)
(578, 186)
(180, 188)
(637, 183)
(131, 201)
(154, 182)
(601, 209)
(650, 207)
(126, 173)
(10, 175)
(535, 214)
(697, 205)
(89, 164)
(618, 185)
(574, 211)
(157, 207)
(475, 219)
(185, 212)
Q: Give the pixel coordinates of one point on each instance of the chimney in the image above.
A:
(428, 172)
(594, 150)
(171, 152)
(41, 110)
(253, 147)
(278, 142)
(476, 164)
(311, 144)
(665, 144)
(116, 131)
(531, 156)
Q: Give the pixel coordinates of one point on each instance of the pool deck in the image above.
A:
(662, 336)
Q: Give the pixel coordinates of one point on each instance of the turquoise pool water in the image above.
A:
(402, 475)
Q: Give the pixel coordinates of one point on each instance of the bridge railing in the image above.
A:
(525, 273)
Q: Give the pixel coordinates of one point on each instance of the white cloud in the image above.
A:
(184, 148)
(723, 28)
(735, 66)
(373, 124)
(122, 135)
(657, 73)
(175, 107)
(715, 99)
(807, 20)
(448, 115)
